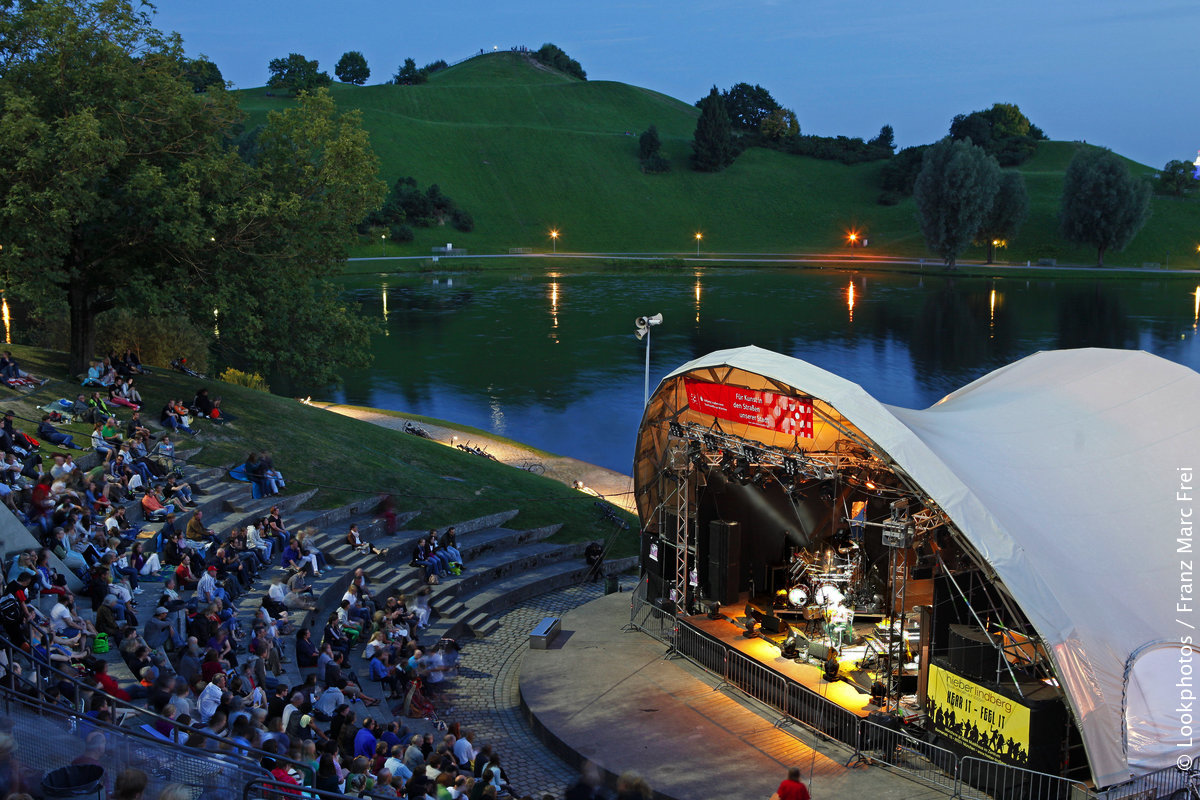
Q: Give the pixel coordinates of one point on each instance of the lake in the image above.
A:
(550, 358)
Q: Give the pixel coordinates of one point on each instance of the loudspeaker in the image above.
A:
(724, 561)
(773, 624)
(818, 651)
(971, 654)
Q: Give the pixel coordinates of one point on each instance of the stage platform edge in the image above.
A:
(609, 696)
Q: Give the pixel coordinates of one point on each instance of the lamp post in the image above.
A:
(554, 240)
(642, 328)
(699, 236)
(383, 244)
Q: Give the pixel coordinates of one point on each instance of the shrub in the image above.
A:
(156, 339)
(656, 164)
(401, 234)
(462, 220)
(251, 380)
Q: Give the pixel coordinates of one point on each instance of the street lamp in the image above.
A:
(642, 328)
(383, 244)
(554, 239)
(699, 236)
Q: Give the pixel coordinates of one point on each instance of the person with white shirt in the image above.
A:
(210, 698)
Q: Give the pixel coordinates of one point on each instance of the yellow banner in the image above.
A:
(977, 718)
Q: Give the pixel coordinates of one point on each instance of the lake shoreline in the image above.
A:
(608, 484)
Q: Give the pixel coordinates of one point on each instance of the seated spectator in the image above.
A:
(359, 545)
(201, 404)
(153, 505)
(306, 651)
(13, 375)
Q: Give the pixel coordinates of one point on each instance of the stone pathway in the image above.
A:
(486, 696)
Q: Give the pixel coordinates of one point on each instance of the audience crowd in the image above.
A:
(203, 624)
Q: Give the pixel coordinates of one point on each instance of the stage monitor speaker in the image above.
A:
(773, 624)
(724, 561)
(818, 651)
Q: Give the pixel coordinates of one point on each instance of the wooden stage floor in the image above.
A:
(809, 674)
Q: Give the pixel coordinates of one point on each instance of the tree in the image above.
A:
(1010, 207)
(650, 152)
(409, 75)
(296, 74)
(1102, 203)
(352, 68)
(551, 55)
(780, 124)
(1176, 178)
(712, 145)
(886, 139)
(202, 74)
(124, 189)
(1001, 130)
(748, 106)
(954, 193)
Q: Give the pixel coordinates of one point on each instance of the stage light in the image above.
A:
(714, 610)
(790, 648)
(676, 430)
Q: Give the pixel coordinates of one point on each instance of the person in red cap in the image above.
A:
(209, 590)
(791, 788)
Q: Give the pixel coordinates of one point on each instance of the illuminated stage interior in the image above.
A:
(798, 522)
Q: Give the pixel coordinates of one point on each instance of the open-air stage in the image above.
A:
(609, 696)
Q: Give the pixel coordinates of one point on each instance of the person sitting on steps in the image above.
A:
(357, 543)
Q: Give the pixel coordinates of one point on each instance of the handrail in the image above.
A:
(279, 788)
(40, 669)
(13, 697)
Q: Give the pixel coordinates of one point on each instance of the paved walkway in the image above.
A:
(611, 485)
(486, 697)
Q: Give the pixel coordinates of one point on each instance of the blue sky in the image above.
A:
(1119, 74)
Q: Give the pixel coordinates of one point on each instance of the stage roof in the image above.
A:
(1070, 473)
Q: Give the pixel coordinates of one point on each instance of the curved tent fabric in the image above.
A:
(1062, 470)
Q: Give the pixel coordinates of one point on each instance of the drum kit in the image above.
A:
(819, 581)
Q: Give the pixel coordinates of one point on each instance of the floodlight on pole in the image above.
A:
(642, 327)
(554, 239)
(699, 236)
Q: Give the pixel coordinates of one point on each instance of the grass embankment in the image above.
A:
(345, 458)
(525, 149)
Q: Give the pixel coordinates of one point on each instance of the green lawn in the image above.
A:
(525, 150)
(345, 458)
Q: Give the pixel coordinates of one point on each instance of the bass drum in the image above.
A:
(828, 595)
(798, 596)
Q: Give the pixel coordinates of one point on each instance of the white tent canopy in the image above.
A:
(1070, 473)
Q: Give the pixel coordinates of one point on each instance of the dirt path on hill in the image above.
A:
(611, 485)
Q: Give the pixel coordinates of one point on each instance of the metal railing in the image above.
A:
(269, 789)
(964, 777)
(36, 677)
(755, 679)
(979, 779)
(823, 716)
(650, 619)
(53, 736)
(705, 652)
(1160, 783)
(919, 759)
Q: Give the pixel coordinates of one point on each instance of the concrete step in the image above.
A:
(476, 544)
(501, 562)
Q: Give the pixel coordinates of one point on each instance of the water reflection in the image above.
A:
(471, 350)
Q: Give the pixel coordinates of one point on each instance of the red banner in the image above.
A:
(774, 412)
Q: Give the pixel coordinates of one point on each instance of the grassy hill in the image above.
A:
(525, 149)
(343, 458)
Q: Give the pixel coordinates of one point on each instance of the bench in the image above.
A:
(543, 634)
